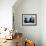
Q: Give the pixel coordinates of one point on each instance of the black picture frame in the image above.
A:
(29, 19)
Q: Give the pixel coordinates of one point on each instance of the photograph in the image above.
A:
(29, 19)
(22, 22)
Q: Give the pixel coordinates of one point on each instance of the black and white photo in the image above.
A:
(29, 19)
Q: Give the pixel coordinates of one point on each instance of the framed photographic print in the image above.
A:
(29, 19)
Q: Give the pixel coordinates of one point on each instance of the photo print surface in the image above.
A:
(29, 19)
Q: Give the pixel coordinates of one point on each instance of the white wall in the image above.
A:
(28, 7)
(6, 13)
(43, 22)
